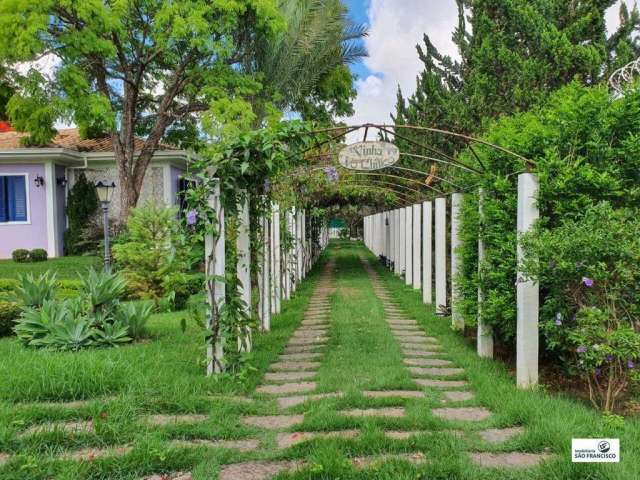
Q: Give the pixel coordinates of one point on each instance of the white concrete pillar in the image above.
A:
(403, 241)
(485, 332)
(408, 244)
(243, 270)
(277, 267)
(265, 294)
(397, 266)
(457, 319)
(214, 248)
(416, 247)
(392, 237)
(527, 290)
(299, 246)
(441, 255)
(427, 253)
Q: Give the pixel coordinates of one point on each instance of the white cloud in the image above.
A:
(396, 27)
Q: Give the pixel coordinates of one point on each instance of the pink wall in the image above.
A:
(34, 234)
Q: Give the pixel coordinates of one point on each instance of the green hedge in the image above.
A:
(9, 312)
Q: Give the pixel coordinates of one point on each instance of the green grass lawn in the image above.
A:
(65, 267)
(165, 375)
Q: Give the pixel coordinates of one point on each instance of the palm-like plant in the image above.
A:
(319, 39)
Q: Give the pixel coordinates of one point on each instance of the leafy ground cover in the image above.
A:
(164, 376)
(66, 268)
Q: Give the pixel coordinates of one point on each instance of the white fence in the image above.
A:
(413, 242)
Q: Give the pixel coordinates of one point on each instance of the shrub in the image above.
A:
(151, 251)
(180, 286)
(35, 291)
(590, 269)
(20, 255)
(82, 205)
(9, 313)
(8, 285)
(38, 255)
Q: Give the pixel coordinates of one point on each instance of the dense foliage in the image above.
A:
(82, 205)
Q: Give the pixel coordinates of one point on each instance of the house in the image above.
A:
(35, 182)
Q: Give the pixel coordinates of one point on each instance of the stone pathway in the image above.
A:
(291, 382)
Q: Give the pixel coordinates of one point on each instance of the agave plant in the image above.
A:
(36, 323)
(134, 316)
(35, 291)
(112, 334)
(70, 334)
(103, 289)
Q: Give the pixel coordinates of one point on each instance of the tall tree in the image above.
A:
(130, 65)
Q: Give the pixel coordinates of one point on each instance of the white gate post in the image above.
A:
(299, 246)
(243, 269)
(457, 320)
(392, 237)
(403, 241)
(408, 240)
(215, 266)
(397, 266)
(417, 247)
(277, 267)
(441, 255)
(485, 333)
(265, 294)
(427, 253)
(527, 290)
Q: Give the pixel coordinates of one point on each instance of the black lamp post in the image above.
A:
(105, 192)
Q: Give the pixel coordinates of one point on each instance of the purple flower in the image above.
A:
(631, 364)
(558, 319)
(588, 282)
(331, 173)
(598, 371)
(581, 349)
(609, 358)
(192, 217)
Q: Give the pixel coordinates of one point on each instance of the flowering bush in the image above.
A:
(589, 269)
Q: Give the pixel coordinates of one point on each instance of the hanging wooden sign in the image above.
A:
(369, 156)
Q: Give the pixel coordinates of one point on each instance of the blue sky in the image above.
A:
(395, 28)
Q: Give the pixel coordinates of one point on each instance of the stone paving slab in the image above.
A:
(286, 440)
(304, 333)
(427, 382)
(288, 376)
(315, 323)
(401, 321)
(70, 428)
(393, 394)
(467, 414)
(431, 347)
(458, 396)
(302, 349)
(375, 412)
(288, 402)
(403, 434)
(499, 435)
(91, 454)
(422, 353)
(417, 458)
(287, 388)
(170, 476)
(287, 366)
(418, 341)
(162, 420)
(308, 341)
(259, 470)
(272, 422)
(427, 362)
(436, 372)
(508, 460)
(71, 404)
(295, 357)
(248, 445)
(4, 458)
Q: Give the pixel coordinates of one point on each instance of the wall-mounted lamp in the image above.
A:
(61, 181)
(39, 181)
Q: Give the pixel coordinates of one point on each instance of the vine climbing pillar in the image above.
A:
(427, 253)
(485, 333)
(215, 266)
(265, 275)
(243, 269)
(417, 247)
(527, 290)
(457, 320)
(441, 255)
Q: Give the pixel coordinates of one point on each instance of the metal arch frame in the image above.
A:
(413, 191)
(624, 75)
(401, 196)
(428, 174)
(387, 175)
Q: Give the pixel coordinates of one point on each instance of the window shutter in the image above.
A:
(4, 207)
(17, 199)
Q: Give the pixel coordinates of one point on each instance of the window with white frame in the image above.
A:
(14, 201)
